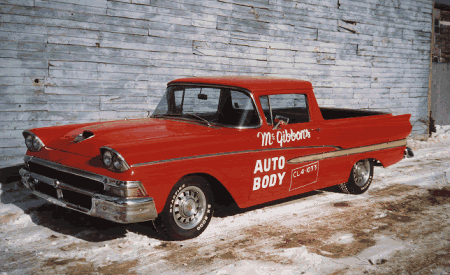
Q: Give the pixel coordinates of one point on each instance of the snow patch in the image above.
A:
(380, 253)
(141, 240)
(256, 268)
(23, 220)
(380, 215)
(342, 238)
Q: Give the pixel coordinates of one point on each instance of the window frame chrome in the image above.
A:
(240, 89)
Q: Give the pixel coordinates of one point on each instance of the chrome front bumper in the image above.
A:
(121, 210)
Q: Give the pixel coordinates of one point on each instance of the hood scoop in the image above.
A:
(83, 136)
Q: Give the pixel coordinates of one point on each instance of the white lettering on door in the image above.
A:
(282, 136)
(269, 165)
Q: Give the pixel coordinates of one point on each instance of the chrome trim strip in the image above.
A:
(270, 110)
(70, 170)
(255, 106)
(59, 202)
(346, 152)
(60, 185)
(339, 152)
(122, 201)
(228, 87)
(82, 173)
(237, 152)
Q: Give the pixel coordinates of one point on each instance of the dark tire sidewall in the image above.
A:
(351, 185)
(165, 221)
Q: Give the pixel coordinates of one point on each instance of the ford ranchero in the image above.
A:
(254, 139)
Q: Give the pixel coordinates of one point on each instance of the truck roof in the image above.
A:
(255, 84)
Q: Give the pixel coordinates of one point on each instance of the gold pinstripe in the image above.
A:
(346, 152)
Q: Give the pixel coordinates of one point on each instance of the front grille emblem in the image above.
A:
(56, 183)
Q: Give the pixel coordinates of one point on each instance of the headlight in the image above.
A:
(29, 141)
(117, 163)
(113, 160)
(36, 144)
(107, 158)
(32, 142)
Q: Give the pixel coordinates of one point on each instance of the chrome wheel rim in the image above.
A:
(361, 172)
(189, 207)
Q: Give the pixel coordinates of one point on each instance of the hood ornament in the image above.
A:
(83, 136)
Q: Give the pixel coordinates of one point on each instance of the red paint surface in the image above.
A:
(152, 140)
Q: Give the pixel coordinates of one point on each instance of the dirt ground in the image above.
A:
(400, 226)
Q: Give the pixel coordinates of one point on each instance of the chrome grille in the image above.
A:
(68, 178)
(46, 189)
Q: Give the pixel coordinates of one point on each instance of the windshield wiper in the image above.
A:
(181, 115)
(162, 115)
(199, 117)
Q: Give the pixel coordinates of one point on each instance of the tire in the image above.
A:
(360, 178)
(187, 211)
(408, 153)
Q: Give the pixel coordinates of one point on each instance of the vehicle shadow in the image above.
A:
(229, 208)
(92, 229)
(62, 220)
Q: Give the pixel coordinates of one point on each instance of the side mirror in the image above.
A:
(280, 120)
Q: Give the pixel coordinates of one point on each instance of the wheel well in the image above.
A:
(375, 162)
(221, 195)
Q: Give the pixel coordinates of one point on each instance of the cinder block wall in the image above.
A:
(68, 61)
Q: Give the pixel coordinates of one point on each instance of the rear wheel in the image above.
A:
(188, 210)
(360, 178)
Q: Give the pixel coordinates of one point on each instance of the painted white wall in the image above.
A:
(64, 61)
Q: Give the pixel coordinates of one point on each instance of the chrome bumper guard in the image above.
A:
(121, 210)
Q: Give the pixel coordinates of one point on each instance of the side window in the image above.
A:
(237, 109)
(292, 106)
(266, 108)
(178, 97)
(241, 101)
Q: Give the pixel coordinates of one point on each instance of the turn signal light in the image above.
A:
(126, 189)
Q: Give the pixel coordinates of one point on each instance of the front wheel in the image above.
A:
(360, 178)
(188, 210)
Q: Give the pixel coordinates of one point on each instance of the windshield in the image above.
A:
(208, 105)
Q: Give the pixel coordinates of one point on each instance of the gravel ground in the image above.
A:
(400, 226)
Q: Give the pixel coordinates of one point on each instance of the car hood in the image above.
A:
(114, 133)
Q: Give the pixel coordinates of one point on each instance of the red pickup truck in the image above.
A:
(254, 138)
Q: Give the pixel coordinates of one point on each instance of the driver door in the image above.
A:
(274, 176)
